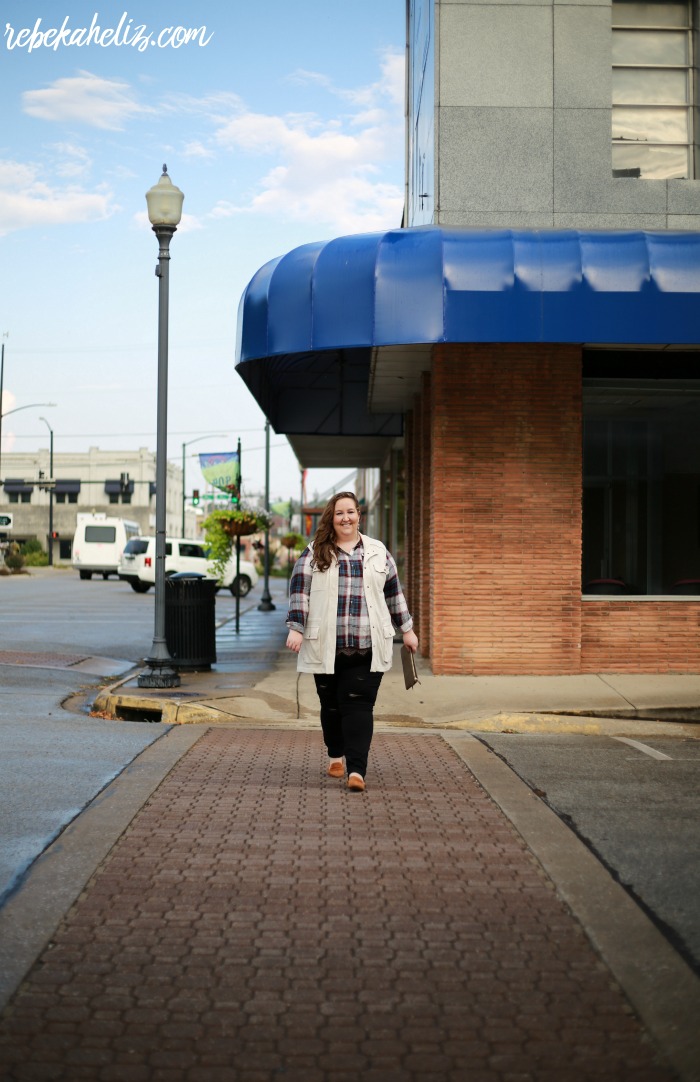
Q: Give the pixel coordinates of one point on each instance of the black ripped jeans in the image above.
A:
(347, 700)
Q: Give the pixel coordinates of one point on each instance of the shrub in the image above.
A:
(14, 558)
(37, 559)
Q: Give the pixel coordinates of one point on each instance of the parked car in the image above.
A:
(138, 564)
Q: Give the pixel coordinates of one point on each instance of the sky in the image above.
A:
(281, 122)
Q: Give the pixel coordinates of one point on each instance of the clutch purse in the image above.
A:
(408, 660)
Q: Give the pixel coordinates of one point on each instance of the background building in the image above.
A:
(118, 483)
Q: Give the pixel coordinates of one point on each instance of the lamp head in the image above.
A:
(164, 202)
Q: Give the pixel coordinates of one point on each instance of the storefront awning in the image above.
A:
(313, 322)
(114, 487)
(17, 486)
(67, 487)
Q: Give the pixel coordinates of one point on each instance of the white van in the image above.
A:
(98, 544)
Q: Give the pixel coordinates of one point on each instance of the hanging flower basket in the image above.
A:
(239, 528)
(222, 526)
(293, 541)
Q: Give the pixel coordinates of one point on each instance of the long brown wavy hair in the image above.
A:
(324, 546)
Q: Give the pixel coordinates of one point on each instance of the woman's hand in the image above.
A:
(294, 641)
(410, 641)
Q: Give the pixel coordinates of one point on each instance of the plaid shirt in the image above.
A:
(353, 627)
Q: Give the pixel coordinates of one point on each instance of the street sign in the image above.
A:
(5, 522)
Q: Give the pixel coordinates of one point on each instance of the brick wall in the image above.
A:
(423, 537)
(414, 549)
(640, 636)
(505, 528)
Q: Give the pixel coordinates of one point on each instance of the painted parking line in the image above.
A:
(652, 752)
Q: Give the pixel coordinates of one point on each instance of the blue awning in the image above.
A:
(327, 305)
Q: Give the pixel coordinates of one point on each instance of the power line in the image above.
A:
(131, 435)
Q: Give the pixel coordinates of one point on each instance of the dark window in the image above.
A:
(137, 546)
(641, 473)
(192, 550)
(106, 535)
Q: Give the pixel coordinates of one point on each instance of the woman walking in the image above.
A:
(345, 602)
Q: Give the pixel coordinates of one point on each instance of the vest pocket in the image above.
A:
(311, 646)
(386, 644)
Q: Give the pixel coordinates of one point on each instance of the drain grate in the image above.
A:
(137, 713)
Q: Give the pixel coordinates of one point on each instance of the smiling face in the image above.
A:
(346, 521)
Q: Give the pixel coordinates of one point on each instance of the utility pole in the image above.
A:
(2, 376)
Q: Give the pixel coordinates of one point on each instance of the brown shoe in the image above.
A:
(336, 770)
(356, 783)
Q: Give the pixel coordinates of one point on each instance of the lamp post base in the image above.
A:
(266, 603)
(159, 674)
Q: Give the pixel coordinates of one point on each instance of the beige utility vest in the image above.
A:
(317, 654)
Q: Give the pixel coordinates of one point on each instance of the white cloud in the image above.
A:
(27, 199)
(86, 99)
(327, 171)
(197, 149)
(73, 161)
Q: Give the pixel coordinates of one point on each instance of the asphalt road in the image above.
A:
(58, 610)
(635, 804)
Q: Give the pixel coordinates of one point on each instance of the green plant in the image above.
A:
(34, 555)
(220, 529)
(37, 559)
(14, 558)
(31, 546)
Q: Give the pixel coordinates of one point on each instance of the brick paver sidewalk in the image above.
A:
(259, 922)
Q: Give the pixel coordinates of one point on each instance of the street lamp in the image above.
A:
(266, 604)
(31, 406)
(51, 489)
(164, 203)
(212, 436)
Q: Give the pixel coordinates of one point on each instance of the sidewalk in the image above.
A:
(258, 921)
(255, 682)
(225, 912)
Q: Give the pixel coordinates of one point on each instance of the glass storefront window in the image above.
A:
(641, 483)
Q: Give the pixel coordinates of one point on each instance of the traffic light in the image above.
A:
(234, 497)
(195, 496)
(54, 535)
(124, 482)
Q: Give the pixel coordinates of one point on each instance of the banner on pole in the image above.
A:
(222, 471)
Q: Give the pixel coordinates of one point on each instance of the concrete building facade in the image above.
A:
(117, 483)
(512, 106)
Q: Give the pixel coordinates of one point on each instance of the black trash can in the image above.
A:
(190, 621)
